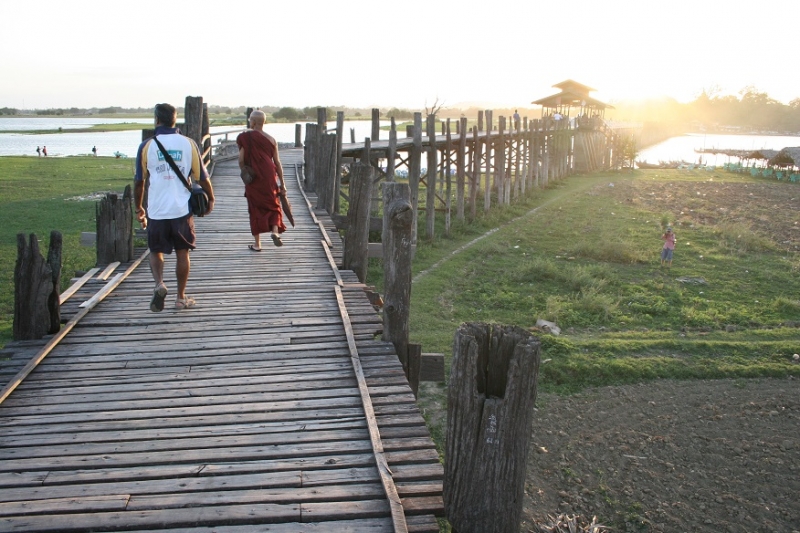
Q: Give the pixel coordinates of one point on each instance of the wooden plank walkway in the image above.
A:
(244, 413)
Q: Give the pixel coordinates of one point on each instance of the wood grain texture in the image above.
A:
(241, 414)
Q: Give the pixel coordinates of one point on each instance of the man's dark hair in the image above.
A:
(166, 115)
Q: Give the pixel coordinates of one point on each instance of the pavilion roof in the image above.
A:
(572, 99)
(574, 86)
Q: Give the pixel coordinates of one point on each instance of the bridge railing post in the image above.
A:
(398, 217)
(356, 241)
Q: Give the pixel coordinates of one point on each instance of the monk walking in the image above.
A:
(259, 151)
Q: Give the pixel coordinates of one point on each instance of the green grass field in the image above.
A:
(38, 195)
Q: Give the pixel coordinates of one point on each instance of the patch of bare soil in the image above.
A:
(670, 456)
(771, 209)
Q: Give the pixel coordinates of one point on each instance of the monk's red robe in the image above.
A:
(263, 200)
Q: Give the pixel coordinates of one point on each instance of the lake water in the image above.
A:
(683, 148)
(124, 142)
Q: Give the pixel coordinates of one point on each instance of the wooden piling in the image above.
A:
(37, 285)
(376, 124)
(193, 119)
(430, 179)
(396, 238)
(114, 223)
(391, 153)
(356, 242)
(448, 178)
(298, 130)
(491, 395)
(414, 170)
(461, 171)
(339, 137)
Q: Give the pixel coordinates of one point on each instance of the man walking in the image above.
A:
(169, 222)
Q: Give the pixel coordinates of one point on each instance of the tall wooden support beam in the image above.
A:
(487, 186)
(397, 219)
(193, 119)
(391, 153)
(37, 285)
(519, 186)
(480, 120)
(491, 395)
(376, 124)
(310, 157)
(461, 170)
(114, 218)
(476, 174)
(448, 178)
(430, 200)
(298, 131)
(326, 172)
(415, 170)
(500, 162)
(339, 137)
(356, 242)
(204, 134)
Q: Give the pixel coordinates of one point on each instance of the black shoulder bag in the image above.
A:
(198, 201)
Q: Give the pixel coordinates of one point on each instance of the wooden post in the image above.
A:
(397, 218)
(204, 131)
(352, 135)
(480, 120)
(376, 124)
(500, 162)
(476, 174)
(491, 396)
(298, 130)
(339, 140)
(310, 156)
(326, 172)
(448, 200)
(37, 285)
(430, 203)
(247, 116)
(487, 186)
(415, 170)
(114, 228)
(391, 153)
(461, 171)
(193, 119)
(356, 242)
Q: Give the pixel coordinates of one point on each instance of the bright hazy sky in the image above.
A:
(378, 53)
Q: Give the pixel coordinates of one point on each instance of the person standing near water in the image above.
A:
(38, 151)
(44, 150)
(94, 151)
(669, 247)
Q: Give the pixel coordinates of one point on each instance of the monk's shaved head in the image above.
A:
(258, 117)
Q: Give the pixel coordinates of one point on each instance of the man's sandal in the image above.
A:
(157, 303)
(184, 303)
(276, 240)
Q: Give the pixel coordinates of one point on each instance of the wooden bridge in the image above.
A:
(271, 406)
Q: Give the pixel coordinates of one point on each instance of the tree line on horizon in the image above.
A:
(751, 110)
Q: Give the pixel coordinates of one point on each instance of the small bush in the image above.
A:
(737, 237)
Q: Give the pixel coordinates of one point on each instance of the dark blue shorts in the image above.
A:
(666, 254)
(175, 233)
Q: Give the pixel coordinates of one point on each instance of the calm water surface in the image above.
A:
(124, 142)
(683, 148)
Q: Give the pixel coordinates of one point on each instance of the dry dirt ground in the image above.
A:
(670, 456)
(696, 456)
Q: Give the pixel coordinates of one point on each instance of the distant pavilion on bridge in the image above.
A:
(573, 96)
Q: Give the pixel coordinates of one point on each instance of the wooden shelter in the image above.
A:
(573, 96)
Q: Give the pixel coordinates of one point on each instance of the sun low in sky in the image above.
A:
(362, 53)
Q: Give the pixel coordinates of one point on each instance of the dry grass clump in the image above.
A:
(564, 523)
